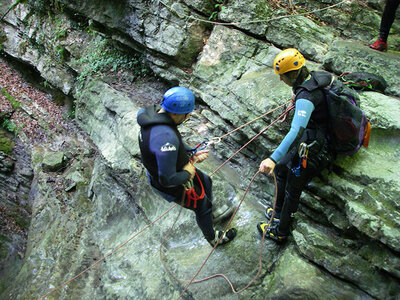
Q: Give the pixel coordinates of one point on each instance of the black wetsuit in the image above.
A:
(289, 184)
(164, 155)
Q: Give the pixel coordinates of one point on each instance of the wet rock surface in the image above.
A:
(345, 238)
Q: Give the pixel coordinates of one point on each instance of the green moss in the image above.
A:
(4, 239)
(62, 53)
(14, 103)
(6, 143)
(22, 48)
(104, 57)
(37, 158)
(263, 10)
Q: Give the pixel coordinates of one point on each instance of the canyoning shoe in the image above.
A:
(272, 232)
(222, 213)
(268, 214)
(226, 238)
(379, 45)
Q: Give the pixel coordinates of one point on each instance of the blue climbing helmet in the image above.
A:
(178, 100)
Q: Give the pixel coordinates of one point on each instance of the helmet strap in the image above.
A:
(295, 79)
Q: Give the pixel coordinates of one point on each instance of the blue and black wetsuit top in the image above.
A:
(162, 150)
(310, 117)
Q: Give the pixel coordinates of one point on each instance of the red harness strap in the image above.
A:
(192, 195)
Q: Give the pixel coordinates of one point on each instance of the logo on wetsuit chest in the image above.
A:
(168, 147)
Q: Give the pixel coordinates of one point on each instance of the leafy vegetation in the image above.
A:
(218, 7)
(14, 103)
(45, 6)
(5, 122)
(105, 58)
(10, 126)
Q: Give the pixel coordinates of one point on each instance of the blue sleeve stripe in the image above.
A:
(304, 109)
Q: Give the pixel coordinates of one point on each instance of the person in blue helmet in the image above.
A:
(169, 162)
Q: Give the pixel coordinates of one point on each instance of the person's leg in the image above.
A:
(203, 211)
(207, 184)
(316, 162)
(281, 174)
(388, 16)
(204, 215)
(205, 222)
(204, 218)
(291, 201)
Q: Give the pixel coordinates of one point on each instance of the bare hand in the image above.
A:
(191, 169)
(201, 155)
(267, 166)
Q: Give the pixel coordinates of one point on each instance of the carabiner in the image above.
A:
(303, 150)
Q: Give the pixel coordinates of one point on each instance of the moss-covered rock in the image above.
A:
(351, 56)
(302, 33)
(302, 280)
(6, 143)
(54, 161)
(341, 257)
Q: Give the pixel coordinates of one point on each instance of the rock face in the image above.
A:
(90, 195)
(15, 210)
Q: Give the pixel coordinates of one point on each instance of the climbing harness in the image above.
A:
(303, 156)
(214, 140)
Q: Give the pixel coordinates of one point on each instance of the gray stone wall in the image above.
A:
(345, 238)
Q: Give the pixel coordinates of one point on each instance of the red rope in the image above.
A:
(245, 145)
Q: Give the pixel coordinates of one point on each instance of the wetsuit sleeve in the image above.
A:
(304, 109)
(165, 145)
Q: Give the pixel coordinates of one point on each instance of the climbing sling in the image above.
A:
(191, 194)
(364, 81)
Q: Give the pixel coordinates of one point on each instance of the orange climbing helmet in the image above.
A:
(288, 60)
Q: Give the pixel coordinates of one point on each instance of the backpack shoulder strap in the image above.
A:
(318, 80)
